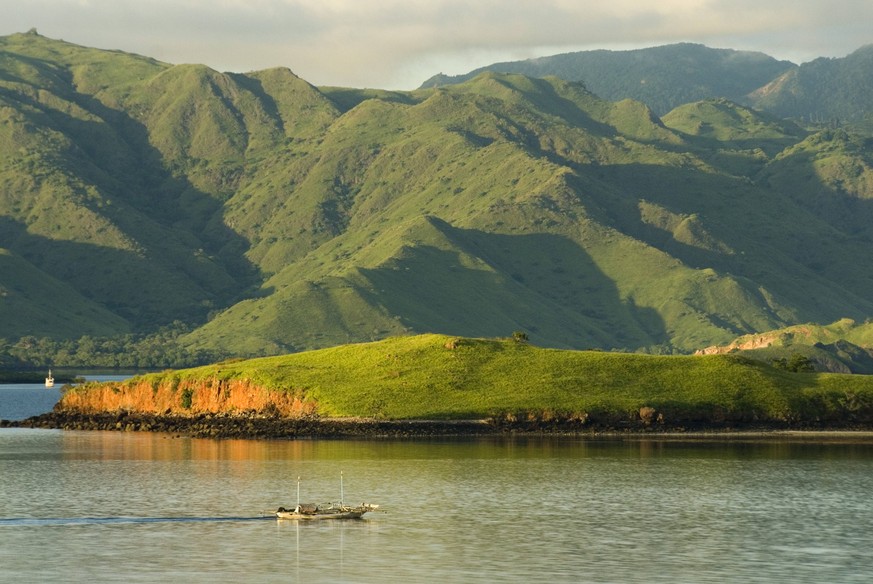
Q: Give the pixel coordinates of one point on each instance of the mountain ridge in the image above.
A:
(823, 91)
(271, 216)
(663, 77)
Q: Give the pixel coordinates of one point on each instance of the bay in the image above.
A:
(140, 507)
(19, 401)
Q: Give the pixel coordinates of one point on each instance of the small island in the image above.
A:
(437, 385)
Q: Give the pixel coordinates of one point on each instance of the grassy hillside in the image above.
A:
(35, 304)
(441, 377)
(271, 216)
(831, 174)
(87, 198)
(546, 209)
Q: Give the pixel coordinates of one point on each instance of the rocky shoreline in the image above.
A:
(252, 427)
(220, 426)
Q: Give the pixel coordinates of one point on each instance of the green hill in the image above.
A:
(550, 224)
(440, 377)
(271, 216)
(85, 195)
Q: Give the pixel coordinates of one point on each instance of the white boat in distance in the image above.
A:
(50, 381)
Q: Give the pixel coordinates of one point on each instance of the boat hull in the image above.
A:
(304, 514)
(320, 515)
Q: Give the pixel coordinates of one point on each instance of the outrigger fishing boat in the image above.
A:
(331, 511)
(308, 511)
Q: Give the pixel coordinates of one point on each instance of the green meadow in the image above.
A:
(445, 377)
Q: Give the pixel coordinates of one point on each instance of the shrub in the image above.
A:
(519, 337)
(797, 363)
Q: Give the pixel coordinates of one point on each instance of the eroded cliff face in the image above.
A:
(746, 343)
(777, 338)
(185, 398)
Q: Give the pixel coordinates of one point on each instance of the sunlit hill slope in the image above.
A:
(431, 377)
(273, 216)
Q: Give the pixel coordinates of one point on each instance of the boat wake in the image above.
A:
(64, 521)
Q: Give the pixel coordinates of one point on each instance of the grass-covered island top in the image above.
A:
(502, 381)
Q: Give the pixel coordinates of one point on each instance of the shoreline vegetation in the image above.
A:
(437, 385)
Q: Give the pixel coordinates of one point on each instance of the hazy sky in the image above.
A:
(397, 44)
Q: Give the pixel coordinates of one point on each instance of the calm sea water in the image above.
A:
(23, 400)
(139, 507)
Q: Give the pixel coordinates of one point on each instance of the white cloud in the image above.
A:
(399, 43)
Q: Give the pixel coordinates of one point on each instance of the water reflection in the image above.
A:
(515, 509)
(158, 446)
(323, 543)
(167, 447)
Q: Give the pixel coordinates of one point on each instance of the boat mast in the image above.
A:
(341, 489)
(298, 492)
